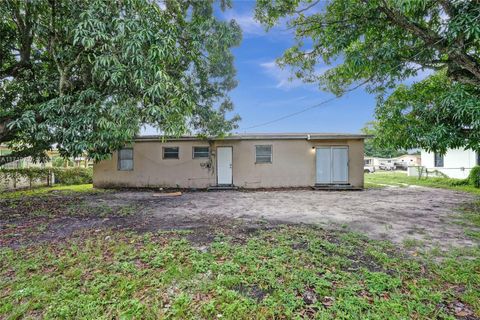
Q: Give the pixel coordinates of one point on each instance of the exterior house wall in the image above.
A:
(293, 165)
(457, 163)
(409, 159)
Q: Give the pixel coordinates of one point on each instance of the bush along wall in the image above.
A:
(474, 177)
(47, 176)
(73, 175)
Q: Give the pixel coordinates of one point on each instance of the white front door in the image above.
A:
(332, 165)
(224, 166)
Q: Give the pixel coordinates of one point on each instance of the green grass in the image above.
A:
(400, 179)
(45, 191)
(288, 272)
(292, 272)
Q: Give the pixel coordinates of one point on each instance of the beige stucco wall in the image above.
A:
(293, 165)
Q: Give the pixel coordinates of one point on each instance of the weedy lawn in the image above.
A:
(272, 272)
(289, 272)
(46, 191)
(400, 179)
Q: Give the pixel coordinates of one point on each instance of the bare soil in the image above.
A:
(396, 214)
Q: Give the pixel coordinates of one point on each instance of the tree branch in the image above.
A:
(17, 155)
(431, 38)
(313, 4)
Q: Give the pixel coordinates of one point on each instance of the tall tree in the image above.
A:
(86, 75)
(381, 43)
(434, 114)
(375, 149)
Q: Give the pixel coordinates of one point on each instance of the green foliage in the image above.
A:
(383, 43)
(474, 176)
(46, 191)
(76, 175)
(87, 75)
(65, 176)
(127, 275)
(60, 162)
(375, 149)
(432, 114)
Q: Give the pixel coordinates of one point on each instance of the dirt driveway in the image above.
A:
(396, 214)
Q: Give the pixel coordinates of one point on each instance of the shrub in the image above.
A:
(458, 182)
(73, 175)
(62, 175)
(474, 177)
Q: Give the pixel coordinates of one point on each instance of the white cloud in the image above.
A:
(253, 28)
(246, 21)
(281, 76)
(284, 77)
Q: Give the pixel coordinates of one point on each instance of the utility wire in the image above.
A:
(321, 103)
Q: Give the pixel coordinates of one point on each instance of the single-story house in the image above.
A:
(246, 161)
(455, 163)
(409, 160)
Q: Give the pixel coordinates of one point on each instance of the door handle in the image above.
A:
(230, 166)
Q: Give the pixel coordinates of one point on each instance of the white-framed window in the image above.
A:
(263, 154)
(201, 152)
(125, 159)
(170, 152)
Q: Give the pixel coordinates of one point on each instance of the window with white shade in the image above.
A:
(263, 154)
(200, 152)
(125, 159)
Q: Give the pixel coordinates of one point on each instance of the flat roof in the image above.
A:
(260, 136)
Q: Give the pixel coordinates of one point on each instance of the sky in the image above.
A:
(265, 93)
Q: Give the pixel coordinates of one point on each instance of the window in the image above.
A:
(438, 160)
(125, 159)
(478, 158)
(170, 152)
(200, 152)
(263, 154)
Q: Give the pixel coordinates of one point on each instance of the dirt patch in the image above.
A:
(398, 214)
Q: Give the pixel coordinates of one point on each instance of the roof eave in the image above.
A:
(258, 137)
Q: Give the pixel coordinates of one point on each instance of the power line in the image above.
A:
(321, 103)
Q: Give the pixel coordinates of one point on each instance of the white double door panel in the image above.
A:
(332, 165)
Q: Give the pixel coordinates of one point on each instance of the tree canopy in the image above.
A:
(381, 44)
(86, 75)
(435, 114)
(375, 149)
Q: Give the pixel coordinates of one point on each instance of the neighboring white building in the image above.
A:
(456, 163)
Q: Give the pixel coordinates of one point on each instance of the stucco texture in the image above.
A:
(293, 165)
